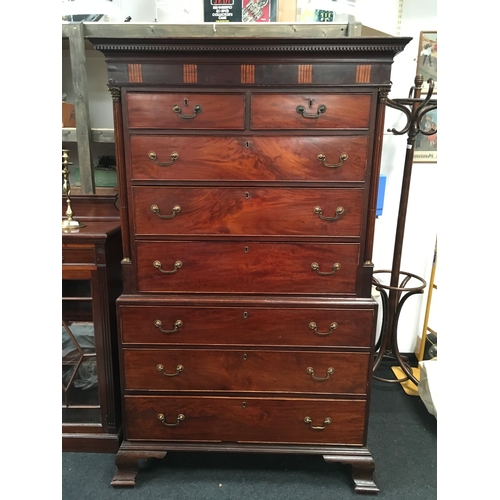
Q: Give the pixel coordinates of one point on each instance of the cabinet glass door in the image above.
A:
(80, 395)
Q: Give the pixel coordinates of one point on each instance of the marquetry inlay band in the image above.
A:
(190, 73)
(247, 73)
(363, 73)
(305, 73)
(135, 73)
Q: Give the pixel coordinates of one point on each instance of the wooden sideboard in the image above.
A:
(248, 162)
(91, 283)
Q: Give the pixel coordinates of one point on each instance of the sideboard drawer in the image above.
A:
(78, 254)
(281, 326)
(310, 111)
(248, 158)
(247, 211)
(246, 371)
(247, 267)
(186, 110)
(251, 420)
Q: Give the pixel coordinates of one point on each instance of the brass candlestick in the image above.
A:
(69, 223)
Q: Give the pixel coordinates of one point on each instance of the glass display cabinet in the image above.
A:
(91, 283)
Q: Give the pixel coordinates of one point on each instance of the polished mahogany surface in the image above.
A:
(248, 170)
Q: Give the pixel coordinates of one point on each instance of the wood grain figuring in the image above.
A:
(247, 73)
(246, 371)
(247, 267)
(305, 73)
(247, 211)
(155, 110)
(135, 73)
(248, 419)
(248, 187)
(249, 158)
(344, 111)
(247, 326)
(363, 72)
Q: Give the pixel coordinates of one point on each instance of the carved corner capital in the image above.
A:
(116, 92)
(383, 93)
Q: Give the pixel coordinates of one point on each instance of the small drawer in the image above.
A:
(203, 324)
(185, 111)
(247, 267)
(243, 211)
(310, 111)
(249, 158)
(202, 370)
(247, 419)
(78, 255)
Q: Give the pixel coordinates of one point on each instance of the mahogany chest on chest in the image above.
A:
(248, 164)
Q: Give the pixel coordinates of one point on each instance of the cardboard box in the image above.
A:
(68, 115)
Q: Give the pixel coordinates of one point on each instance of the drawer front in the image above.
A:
(185, 110)
(245, 371)
(256, 158)
(251, 420)
(310, 111)
(247, 211)
(247, 267)
(83, 254)
(195, 325)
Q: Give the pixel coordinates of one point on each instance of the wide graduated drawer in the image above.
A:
(251, 420)
(248, 158)
(310, 111)
(185, 110)
(246, 371)
(278, 326)
(247, 211)
(247, 267)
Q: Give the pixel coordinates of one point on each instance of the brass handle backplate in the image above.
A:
(302, 111)
(322, 158)
(159, 325)
(327, 421)
(173, 156)
(180, 418)
(175, 210)
(178, 370)
(177, 266)
(317, 210)
(314, 328)
(329, 371)
(315, 267)
(177, 109)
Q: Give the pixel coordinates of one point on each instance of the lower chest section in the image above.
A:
(255, 370)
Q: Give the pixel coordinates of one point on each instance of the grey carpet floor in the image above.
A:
(402, 438)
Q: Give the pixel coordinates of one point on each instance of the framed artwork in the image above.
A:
(246, 11)
(427, 59)
(426, 145)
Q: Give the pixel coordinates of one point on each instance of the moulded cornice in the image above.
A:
(150, 46)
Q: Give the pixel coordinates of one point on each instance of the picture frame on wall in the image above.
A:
(246, 11)
(426, 145)
(427, 60)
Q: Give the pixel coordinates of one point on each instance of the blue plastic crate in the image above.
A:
(380, 196)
